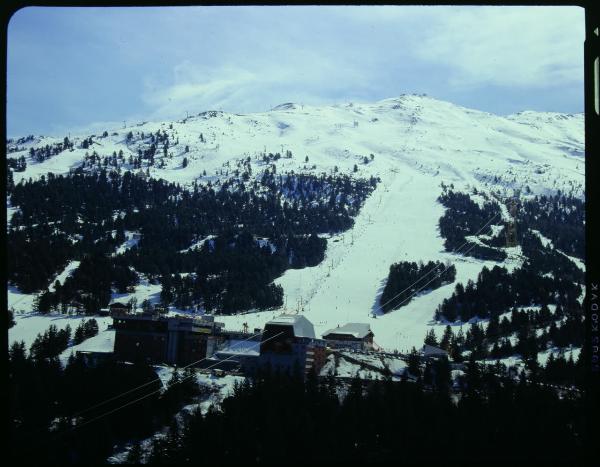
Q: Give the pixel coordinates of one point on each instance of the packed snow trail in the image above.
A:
(399, 222)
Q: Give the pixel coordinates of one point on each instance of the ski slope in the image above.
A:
(397, 223)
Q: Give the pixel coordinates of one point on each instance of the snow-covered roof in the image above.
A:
(302, 326)
(357, 330)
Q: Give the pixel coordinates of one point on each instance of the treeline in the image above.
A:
(476, 341)
(94, 160)
(560, 218)
(17, 164)
(89, 287)
(40, 154)
(51, 343)
(496, 291)
(83, 216)
(35, 254)
(16, 148)
(54, 341)
(234, 272)
(547, 260)
(464, 217)
(534, 331)
(85, 330)
(405, 278)
(53, 410)
(378, 422)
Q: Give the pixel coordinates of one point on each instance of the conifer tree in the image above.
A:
(430, 338)
(414, 362)
(447, 338)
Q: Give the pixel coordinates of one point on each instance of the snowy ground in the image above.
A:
(103, 342)
(67, 271)
(515, 360)
(417, 142)
(30, 324)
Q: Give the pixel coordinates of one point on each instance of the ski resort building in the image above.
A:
(430, 351)
(356, 336)
(235, 355)
(288, 344)
(118, 307)
(158, 339)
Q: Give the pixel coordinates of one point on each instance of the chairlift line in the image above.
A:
(409, 297)
(410, 287)
(158, 390)
(150, 382)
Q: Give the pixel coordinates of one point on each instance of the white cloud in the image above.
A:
(507, 46)
(254, 84)
(309, 61)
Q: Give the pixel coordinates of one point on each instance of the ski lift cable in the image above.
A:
(87, 422)
(421, 288)
(143, 385)
(456, 251)
(151, 382)
(417, 291)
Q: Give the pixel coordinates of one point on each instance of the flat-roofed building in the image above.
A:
(356, 336)
(175, 340)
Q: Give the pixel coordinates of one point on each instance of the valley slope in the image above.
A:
(412, 143)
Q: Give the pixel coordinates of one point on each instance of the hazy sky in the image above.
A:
(71, 67)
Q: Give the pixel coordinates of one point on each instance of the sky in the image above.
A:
(73, 68)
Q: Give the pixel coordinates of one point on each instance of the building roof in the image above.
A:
(302, 326)
(430, 350)
(357, 330)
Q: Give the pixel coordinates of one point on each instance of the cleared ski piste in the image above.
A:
(399, 222)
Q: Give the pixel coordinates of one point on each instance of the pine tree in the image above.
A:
(414, 362)
(79, 335)
(430, 338)
(447, 338)
(493, 328)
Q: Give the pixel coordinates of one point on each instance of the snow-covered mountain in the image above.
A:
(413, 143)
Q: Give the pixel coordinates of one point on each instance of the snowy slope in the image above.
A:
(417, 143)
